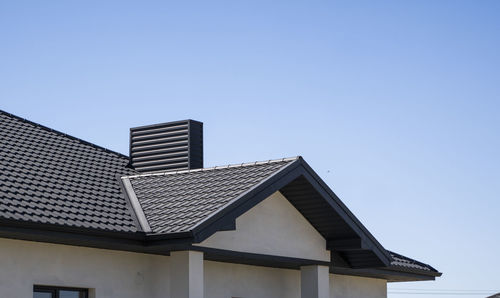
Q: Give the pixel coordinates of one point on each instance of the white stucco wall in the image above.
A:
(344, 286)
(108, 273)
(224, 280)
(273, 227)
(115, 274)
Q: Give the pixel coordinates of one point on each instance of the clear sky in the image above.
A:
(395, 104)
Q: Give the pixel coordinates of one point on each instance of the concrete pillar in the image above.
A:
(314, 282)
(186, 274)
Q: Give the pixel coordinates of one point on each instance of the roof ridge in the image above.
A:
(172, 172)
(63, 134)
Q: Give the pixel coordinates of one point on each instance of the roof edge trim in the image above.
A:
(136, 205)
(383, 273)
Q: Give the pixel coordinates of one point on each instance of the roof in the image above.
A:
(202, 202)
(402, 262)
(49, 177)
(177, 201)
(401, 269)
(61, 189)
(497, 295)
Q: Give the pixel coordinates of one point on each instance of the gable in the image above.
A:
(272, 227)
(198, 203)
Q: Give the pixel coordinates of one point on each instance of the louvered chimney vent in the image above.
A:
(167, 146)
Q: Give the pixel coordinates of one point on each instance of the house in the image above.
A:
(78, 220)
(497, 295)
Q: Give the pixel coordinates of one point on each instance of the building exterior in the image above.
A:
(78, 220)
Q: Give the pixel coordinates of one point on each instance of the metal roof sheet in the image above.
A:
(176, 201)
(49, 177)
(400, 261)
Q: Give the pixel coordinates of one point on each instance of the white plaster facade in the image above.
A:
(115, 274)
(107, 273)
(223, 280)
(273, 227)
(343, 286)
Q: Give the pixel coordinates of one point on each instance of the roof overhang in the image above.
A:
(389, 274)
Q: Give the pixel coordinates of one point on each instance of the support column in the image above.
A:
(186, 274)
(314, 281)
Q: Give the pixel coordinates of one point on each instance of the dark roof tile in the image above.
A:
(177, 201)
(400, 261)
(50, 177)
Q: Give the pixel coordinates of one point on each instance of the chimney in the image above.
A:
(167, 146)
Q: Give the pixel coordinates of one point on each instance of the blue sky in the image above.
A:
(395, 104)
